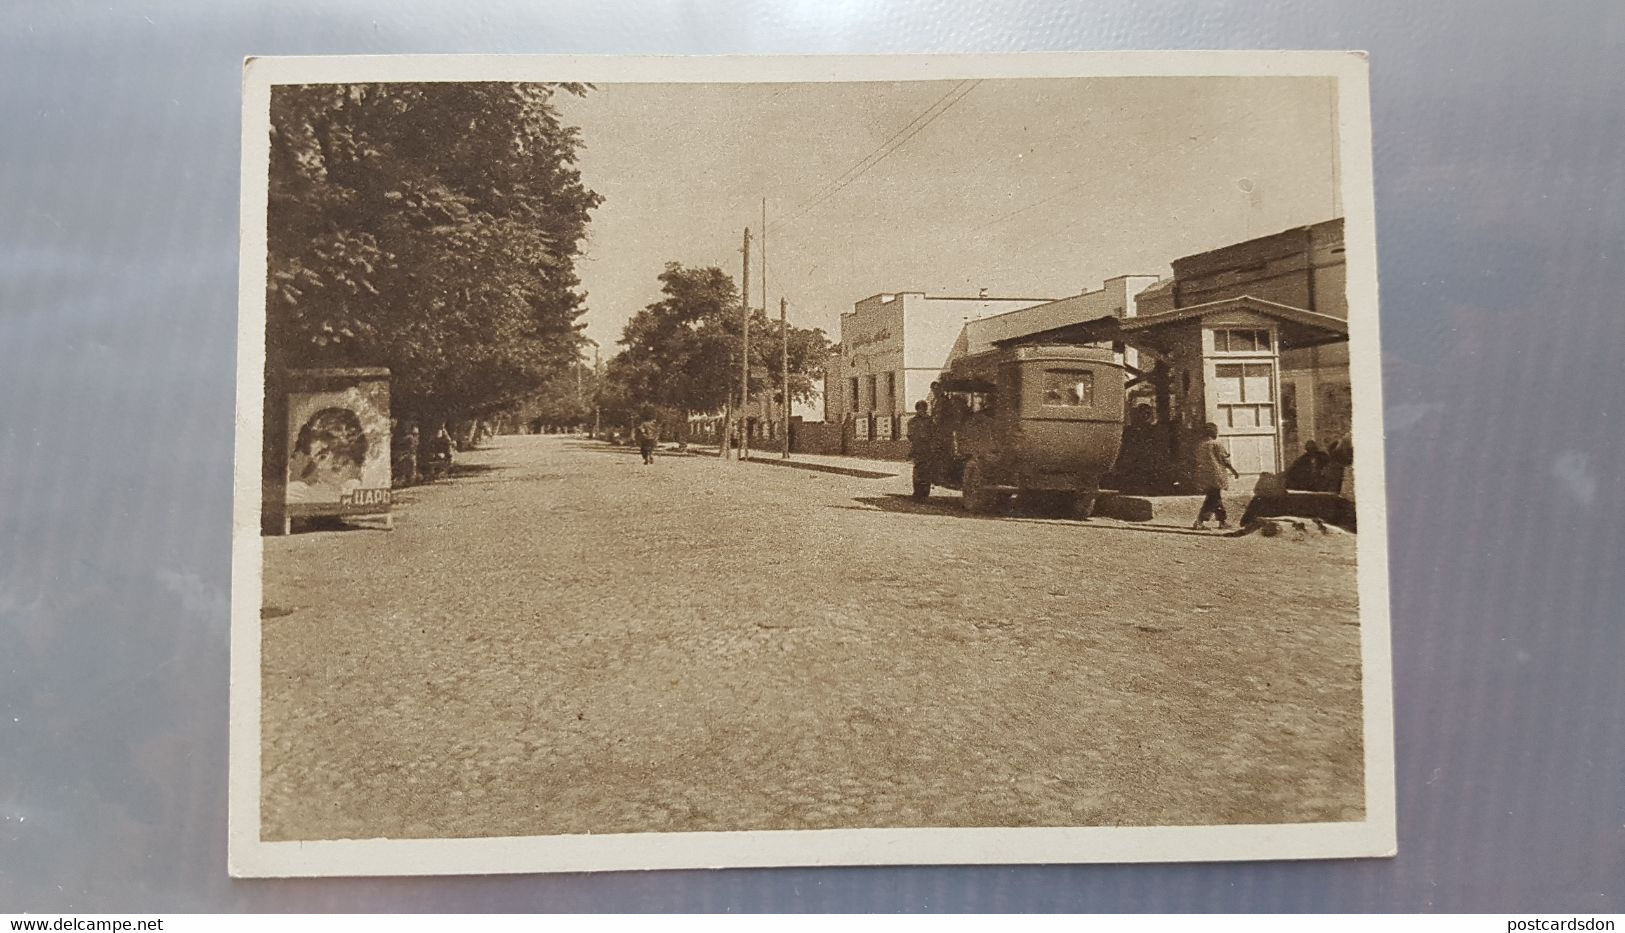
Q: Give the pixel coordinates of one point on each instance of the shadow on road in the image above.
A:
(311, 524)
(899, 502)
(459, 470)
(603, 447)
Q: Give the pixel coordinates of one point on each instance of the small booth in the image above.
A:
(1217, 362)
(327, 447)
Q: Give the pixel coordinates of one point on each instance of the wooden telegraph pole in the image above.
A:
(763, 248)
(784, 375)
(597, 395)
(744, 351)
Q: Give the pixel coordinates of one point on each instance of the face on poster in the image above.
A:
(338, 450)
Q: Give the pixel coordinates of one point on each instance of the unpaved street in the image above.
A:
(563, 640)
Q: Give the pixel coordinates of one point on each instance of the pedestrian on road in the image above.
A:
(921, 439)
(1212, 476)
(647, 433)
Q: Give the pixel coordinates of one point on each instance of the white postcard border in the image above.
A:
(249, 856)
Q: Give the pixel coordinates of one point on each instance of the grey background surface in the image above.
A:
(1499, 129)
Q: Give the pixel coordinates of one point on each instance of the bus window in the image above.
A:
(1071, 388)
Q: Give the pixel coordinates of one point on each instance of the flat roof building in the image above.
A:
(892, 347)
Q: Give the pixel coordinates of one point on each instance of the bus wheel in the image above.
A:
(977, 498)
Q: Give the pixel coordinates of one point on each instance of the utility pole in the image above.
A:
(744, 352)
(784, 375)
(763, 251)
(597, 395)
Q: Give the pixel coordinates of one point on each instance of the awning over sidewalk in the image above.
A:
(1296, 327)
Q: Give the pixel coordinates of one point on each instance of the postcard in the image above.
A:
(704, 462)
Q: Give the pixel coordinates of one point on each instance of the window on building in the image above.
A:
(1235, 340)
(891, 392)
(1069, 387)
(857, 403)
(874, 399)
(1244, 394)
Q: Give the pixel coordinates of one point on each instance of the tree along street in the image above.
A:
(563, 640)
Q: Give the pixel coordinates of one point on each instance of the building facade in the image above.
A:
(1115, 298)
(893, 346)
(1251, 337)
(1301, 268)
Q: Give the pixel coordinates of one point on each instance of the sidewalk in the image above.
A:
(861, 467)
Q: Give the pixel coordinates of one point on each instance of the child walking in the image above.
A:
(1212, 476)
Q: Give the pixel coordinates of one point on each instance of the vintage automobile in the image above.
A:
(1038, 423)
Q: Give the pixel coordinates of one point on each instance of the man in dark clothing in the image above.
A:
(647, 434)
(1304, 473)
(921, 440)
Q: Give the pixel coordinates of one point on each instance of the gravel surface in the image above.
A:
(563, 640)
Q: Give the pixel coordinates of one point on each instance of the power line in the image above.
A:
(953, 97)
(1038, 203)
(842, 178)
(913, 128)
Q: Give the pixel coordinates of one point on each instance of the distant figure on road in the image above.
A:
(1212, 476)
(921, 440)
(647, 433)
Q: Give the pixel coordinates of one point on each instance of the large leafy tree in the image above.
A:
(682, 352)
(430, 228)
(679, 351)
(805, 348)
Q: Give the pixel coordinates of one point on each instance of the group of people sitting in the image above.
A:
(414, 460)
(1318, 470)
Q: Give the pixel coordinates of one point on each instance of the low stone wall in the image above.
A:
(815, 437)
(877, 449)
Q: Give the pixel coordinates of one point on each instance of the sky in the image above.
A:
(1032, 188)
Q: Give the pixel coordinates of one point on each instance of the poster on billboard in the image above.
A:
(338, 443)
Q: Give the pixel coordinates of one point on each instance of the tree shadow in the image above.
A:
(459, 470)
(603, 447)
(941, 505)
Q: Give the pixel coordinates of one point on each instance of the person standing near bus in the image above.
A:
(1212, 474)
(921, 440)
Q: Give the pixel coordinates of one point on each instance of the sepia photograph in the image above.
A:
(659, 463)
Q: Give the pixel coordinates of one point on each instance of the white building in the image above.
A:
(1115, 298)
(893, 346)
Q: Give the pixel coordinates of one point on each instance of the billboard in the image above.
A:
(338, 456)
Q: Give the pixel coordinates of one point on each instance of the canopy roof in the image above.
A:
(1296, 327)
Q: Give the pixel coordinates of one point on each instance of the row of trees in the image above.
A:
(434, 229)
(681, 354)
(429, 228)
